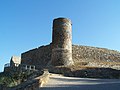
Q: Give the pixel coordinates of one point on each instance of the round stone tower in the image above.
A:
(62, 42)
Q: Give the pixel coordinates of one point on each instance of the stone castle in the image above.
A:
(59, 52)
(61, 57)
(62, 52)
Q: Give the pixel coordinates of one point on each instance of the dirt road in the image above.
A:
(59, 82)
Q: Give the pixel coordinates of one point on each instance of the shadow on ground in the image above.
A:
(107, 86)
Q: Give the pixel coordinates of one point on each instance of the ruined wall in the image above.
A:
(62, 42)
(15, 61)
(42, 55)
(38, 56)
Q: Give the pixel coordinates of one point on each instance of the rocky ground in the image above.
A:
(86, 72)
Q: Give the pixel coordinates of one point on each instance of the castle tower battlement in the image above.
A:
(62, 42)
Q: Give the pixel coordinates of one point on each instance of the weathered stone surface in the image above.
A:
(62, 42)
(97, 57)
(15, 61)
(38, 57)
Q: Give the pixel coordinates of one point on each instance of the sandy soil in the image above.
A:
(59, 82)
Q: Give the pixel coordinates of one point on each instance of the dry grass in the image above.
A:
(106, 63)
(85, 65)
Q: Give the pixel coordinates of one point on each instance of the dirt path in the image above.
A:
(58, 82)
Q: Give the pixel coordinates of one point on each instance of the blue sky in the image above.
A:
(27, 24)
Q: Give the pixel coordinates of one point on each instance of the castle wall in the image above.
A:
(38, 57)
(42, 55)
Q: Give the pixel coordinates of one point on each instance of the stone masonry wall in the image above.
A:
(93, 55)
(38, 56)
(62, 42)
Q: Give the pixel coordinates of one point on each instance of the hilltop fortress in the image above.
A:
(31, 70)
(61, 52)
